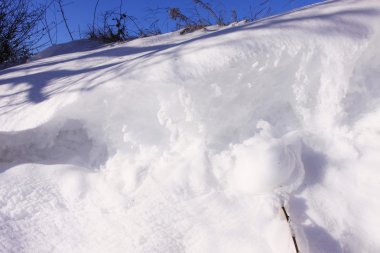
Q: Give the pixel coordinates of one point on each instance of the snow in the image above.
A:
(193, 143)
(262, 163)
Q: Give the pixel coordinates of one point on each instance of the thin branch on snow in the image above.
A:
(291, 230)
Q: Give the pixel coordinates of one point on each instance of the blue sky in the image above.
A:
(80, 12)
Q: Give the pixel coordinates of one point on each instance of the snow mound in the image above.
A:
(262, 164)
(194, 143)
(67, 48)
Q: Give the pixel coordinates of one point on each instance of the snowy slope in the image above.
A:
(193, 143)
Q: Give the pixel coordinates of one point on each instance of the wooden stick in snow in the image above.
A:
(291, 230)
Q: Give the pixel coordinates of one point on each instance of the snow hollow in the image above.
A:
(196, 143)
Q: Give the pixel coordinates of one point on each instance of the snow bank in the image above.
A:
(194, 143)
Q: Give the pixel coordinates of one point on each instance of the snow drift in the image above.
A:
(194, 143)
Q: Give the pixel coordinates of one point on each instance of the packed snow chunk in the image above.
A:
(262, 163)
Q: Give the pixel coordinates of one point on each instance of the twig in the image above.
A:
(94, 16)
(64, 18)
(207, 7)
(291, 230)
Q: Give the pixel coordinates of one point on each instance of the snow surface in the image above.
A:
(193, 143)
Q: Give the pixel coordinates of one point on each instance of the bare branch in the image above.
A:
(64, 18)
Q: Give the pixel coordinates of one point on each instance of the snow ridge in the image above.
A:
(194, 143)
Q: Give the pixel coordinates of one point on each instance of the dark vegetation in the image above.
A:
(19, 30)
(24, 25)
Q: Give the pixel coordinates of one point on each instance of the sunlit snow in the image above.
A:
(194, 143)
